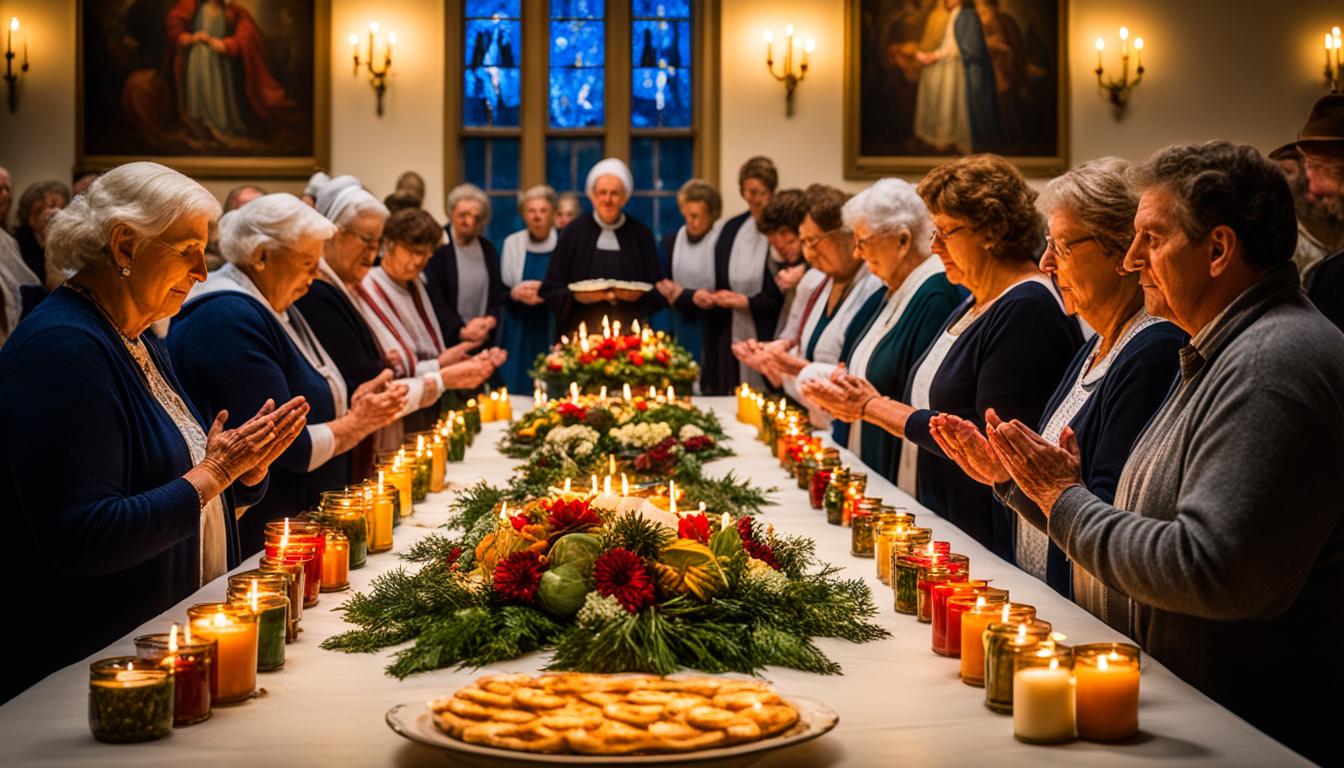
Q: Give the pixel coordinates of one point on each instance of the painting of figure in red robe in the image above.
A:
(217, 85)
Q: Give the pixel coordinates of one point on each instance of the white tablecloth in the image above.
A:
(899, 703)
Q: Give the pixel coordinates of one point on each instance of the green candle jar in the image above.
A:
(346, 512)
(862, 522)
(471, 416)
(130, 700)
(457, 442)
(271, 611)
(905, 583)
(834, 500)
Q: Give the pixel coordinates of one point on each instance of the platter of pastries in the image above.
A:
(588, 719)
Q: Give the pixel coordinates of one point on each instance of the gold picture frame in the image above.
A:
(127, 109)
(883, 71)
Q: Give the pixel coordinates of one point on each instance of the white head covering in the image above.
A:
(315, 184)
(610, 167)
(326, 195)
(352, 201)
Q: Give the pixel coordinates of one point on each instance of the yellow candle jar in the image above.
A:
(438, 464)
(488, 406)
(504, 408)
(1107, 676)
(233, 627)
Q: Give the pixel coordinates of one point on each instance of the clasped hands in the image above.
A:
(527, 292)
(245, 453)
(1011, 451)
(842, 395)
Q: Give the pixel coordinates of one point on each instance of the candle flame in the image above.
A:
(1102, 664)
(671, 393)
(419, 443)
(219, 619)
(14, 24)
(1058, 637)
(603, 392)
(702, 508)
(625, 390)
(652, 392)
(583, 330)
(606, 485)
(1114, 656)
(504, 512)
(252, 595)
(1054, 664)
(494, 396)
(979, 602)
(594, 491)
(1006, 606)
(574, 392)
(1021, 634)
(725, 521)
(616, 328)
(635, 327)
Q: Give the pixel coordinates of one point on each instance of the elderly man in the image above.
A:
(1321, 145)
(463, 277)
(1224, 547)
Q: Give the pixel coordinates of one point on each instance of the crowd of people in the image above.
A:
(1132, 387)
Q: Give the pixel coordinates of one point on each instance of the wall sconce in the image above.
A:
(1119, 89)
(377, 77)
(1334, 63)
(789, 78)
(11, 79)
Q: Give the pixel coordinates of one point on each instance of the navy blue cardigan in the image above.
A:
(441, 284)
(1009, 360)
(104, 532)
(1107, 425)
(231, 353)
(720, 369)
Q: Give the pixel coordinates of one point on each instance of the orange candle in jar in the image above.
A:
(1107, 679)
(233, 627)
(973, 623)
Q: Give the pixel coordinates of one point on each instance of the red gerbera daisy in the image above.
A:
(575, 513)
(621, 574)
(518, 575)
(694, 527)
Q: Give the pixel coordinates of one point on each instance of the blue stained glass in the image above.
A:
(675, 164)
(504, 164)
(669, 217)
(642, 208)
(662, 9)
(577, 43)
(660, 98)
(474, 153)
(568, 161)
(491, 164)
(576, 97)
(661, 43)
(504, 218)
(484, 9)
(490, 96)
(491, 43)
(577, 9)
(644, 162)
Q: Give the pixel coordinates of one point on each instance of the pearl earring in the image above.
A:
(125, 272)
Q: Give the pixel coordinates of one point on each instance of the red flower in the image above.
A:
(556, 365)
(758, 549)
(586, 358)
(607, 353)
(574, 513)
(662, 356)
(519, 522)
(641, 405)
(518, 576)
(632, 341)
(657, 458)
(697, 443)
(744, 528)
(694, 527)
(453, 555)
(571, 411)
(635, 358)
(620, 573)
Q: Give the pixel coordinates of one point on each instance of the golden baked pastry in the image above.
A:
(611, 714)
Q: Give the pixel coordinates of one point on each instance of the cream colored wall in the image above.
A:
(1244, 70)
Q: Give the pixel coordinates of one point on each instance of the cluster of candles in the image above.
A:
(541, 400)
(494, 406)
(662, 504)
(584, 341)
(176, 677)
(1054, 692)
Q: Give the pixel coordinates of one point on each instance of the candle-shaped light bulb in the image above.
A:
(769, 36)
(625, 486)
(1124, 33)
(373, 27)
(788, 31)
(811, 45)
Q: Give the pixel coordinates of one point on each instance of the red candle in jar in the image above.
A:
(821, 478)
(938, 595)
(194, 675)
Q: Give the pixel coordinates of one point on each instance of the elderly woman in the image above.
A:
(892, 329)
(1116, 381)
(343, 318)
(608, 245)
(747, 301)
(113, 487)
(239, 341)
(463, 276)
(1005, 347)
(526, 325)
(830, 307)
(34, 204)
(397, 297)
(689, 254)
(568, 207)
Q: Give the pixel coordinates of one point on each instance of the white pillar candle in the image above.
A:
(1043, 704)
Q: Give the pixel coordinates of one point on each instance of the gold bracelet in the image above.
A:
(199, 496)
(864, 408)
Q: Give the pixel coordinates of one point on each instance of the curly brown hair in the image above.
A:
(413, 228)
(988, 192)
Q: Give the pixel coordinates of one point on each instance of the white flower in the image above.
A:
(599, 609)
(641, 435)
(690, 430)
(575, 433)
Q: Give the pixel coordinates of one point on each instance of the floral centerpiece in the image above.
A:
(642, 359)
(608, 584)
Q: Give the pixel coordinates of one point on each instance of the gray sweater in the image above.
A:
(1226, 531)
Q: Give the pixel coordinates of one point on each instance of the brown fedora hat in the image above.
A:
(1325, 125)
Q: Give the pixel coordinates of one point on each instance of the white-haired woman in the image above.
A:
(526, 325)
(608, 245)
(892, 329)
(463, 275)
(240, 341)
(345, 321)
(112, 487)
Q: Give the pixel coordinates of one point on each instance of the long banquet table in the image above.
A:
(898, 702)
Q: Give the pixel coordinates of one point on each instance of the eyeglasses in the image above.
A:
(939, 236)
(369, 242)
(1065, 250)
(811, 243)
(192, 253)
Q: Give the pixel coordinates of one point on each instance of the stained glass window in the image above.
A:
(660, 167)
(568, 161)
(492, 47)
(492, 165)
(660, 58)
(577, 64)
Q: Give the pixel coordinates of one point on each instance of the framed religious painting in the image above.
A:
(214, 88)
(930, 80)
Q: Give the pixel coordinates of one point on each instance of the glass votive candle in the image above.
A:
(905, 582)
(1107, 679)
(348, 511)
(294, 590)
(959, 604)
(861, 528)
(130, 700)
(272, 612)
(938, 597)
(398, 476)
(977, 612)
(190, 663)
(937, 570)
(855, 491)
(1043, 695)
(381, 513)
(905, 541)
(816, 486)
(1003, 642)
(833, 501)
(438, 464)
(336, 562)
(304, 555)
(233, 627)
(241, 586)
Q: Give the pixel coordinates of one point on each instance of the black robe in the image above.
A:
(719, 373)
(441, 284)
(576, 258)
